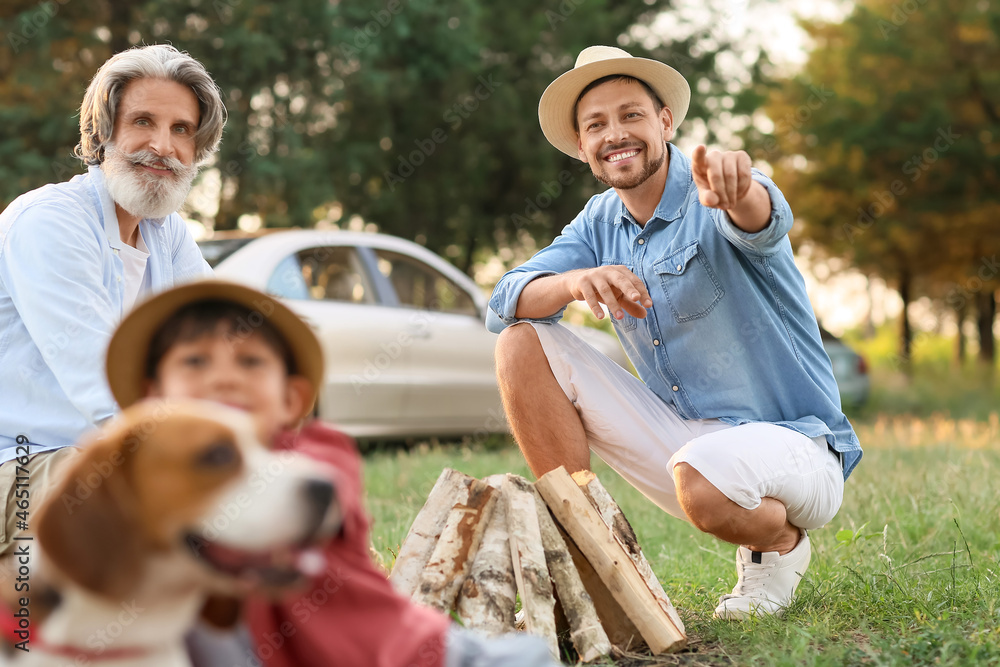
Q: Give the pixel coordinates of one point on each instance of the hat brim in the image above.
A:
(128, 349)
(555, 108)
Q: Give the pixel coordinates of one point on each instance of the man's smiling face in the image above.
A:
(621, 135)
(149, 162)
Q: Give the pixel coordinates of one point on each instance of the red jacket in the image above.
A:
(350, 615)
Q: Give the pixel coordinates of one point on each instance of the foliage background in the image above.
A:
(419, 118)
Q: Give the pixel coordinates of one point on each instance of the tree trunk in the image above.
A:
(870, 315)
(961, 312)
(119, 23)
(986, 307)
(905, 333)
(470, 255)
(229, 208)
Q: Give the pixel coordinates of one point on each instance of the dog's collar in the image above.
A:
(9, 631)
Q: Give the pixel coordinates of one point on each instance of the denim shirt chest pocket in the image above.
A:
(627, 323)
(690, 285)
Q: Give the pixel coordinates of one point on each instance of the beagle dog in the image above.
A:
(173, 501)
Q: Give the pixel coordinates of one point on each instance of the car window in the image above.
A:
(421, 286)
(216, 250)
(287, 280)
(329, 273)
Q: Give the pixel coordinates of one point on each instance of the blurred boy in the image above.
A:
(224, 342)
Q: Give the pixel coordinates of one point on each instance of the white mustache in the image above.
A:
(148, 158)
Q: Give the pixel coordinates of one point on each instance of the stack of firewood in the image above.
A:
(562, 543)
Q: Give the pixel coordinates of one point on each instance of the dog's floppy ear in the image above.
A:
(86, 527)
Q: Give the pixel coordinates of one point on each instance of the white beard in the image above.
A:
(143, 194)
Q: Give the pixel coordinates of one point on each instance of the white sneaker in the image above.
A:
(766, 582)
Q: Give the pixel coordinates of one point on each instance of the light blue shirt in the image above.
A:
(61, 294)
(731, 334)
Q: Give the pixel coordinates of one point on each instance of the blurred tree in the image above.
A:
(887, 143)
(417, 115)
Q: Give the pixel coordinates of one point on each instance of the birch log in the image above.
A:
(619, 627)
(456, 549)
(585, 631)
(623, 532)
(451, 488)
(487, 598)
(571, 507)
(528, 557)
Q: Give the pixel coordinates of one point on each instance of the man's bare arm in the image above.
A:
(615, 286)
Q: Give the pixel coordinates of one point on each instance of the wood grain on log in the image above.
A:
(585, 630)
(528, 557)
(488, 596)
(610, 560)
(615, 519)
(451, 488)
(456, 549)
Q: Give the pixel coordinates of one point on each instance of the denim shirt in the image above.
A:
(61, 293)
(731, 334)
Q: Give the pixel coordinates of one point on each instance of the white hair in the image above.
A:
(159, 61)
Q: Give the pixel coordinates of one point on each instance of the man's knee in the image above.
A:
(517, 346)
(705, 505)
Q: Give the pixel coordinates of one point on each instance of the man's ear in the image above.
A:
(298, 394)
(667, 119)
(579, 148)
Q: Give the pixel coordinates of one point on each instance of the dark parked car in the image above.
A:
(849, 368)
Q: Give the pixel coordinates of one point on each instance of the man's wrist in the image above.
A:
(753, 212)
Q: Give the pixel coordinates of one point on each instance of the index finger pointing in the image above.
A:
(698, 159)
(699, 168)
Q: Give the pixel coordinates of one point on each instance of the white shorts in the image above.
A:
(639, 435)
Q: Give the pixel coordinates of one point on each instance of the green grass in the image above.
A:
(906, 574)
(935, 383)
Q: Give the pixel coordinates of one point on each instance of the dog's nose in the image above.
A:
(320, 495)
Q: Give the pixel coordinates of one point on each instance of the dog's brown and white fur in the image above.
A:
(182, 500)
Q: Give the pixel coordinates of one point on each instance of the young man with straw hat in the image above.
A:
(736, 424)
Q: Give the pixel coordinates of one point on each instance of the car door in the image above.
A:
(452, 380)
(363, 339)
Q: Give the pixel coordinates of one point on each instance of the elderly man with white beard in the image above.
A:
(75, 256)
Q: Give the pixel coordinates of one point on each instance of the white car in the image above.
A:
(407, 351)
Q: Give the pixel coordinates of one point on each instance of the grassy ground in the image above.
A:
(906, 574)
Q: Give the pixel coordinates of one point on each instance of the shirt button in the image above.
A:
(656, 341)
(675, 388)
(118, 278)
(641, 241)
(678, 267)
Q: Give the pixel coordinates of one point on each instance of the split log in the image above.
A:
(623, 532)
(583, 523)
(487, 598)
(530, 571)
(451, 488)
(619, 627)
(585, 631)
(456, 549)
